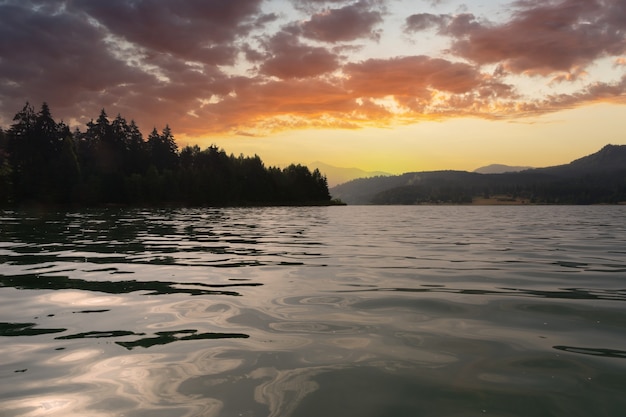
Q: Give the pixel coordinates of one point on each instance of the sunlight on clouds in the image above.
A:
(460, 144)
(390, 104)
(133, 56)
(195, 66)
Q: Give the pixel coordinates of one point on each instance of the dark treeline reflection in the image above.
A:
(44, 162)
(37, 282)
(159, 338)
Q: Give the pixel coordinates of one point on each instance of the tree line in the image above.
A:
(604, 187)
(597, 179)
(43, 162)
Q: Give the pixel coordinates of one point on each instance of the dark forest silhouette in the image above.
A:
(43, 162)
(599, 178)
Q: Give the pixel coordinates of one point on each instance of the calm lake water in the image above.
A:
(324, 311)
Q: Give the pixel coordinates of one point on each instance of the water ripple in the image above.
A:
(306, 311)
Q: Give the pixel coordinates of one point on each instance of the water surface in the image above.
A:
(323, 311)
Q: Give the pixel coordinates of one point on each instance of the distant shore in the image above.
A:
(500, 201)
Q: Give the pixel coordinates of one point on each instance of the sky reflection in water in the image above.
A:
(364, 311)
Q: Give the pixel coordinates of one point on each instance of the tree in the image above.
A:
(66, 172)
(5, 171)
(27, 158)
(163, 149)
(106, 147)
(43, 162)
(35, 146)
(302, 186)
(137, 152)
(47, 132)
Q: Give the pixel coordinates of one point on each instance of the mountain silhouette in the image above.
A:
(593, 179)
(339, 175)
(499, 169)
(609, 158)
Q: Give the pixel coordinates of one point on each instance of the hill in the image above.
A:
(338, 175)
(499, 169)
(593, 179)
(608, 159)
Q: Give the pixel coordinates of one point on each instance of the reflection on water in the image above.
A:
(608, 353)
(359, 311)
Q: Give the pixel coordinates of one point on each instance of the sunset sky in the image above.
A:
(387, 85)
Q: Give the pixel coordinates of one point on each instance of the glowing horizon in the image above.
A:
(462, 144)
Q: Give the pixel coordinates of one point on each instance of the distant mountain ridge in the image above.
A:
(596, 178)
(609, 158)
(337, 175)
(499, 169)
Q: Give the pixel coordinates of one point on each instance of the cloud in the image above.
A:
(291, 59)
(410, 76)
(55, 57)
(420, 86)
(423, 21)
(213, 66)
(542, 38)
(194, 28)
(149, 59)
(261, 106)
(344, 24)
(310, 5)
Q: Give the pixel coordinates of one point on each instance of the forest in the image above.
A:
(599, 178)
(44, 163)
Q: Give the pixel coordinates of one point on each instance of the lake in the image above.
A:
(318, 311)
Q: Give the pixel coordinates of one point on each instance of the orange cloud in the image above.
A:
(291, 59)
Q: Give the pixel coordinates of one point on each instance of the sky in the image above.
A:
(380, 85)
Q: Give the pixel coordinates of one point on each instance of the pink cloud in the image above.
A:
(344, 24)
(543, 37)
(193, 30)
(410, 76)
(291, 59)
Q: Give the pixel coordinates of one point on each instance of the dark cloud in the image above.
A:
(150, 59)
(292, 59)
(458, 25)
(198, 30)
(348, 23)
(423, 21)
(311, 5)
(264, 19)
(55, 57)
(464, 24)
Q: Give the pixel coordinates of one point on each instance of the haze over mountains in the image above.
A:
(337, 175)
(593, 179)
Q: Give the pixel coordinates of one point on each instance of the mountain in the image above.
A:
(609, 158)
(499, 169)
(596, 178)
(337, 175)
